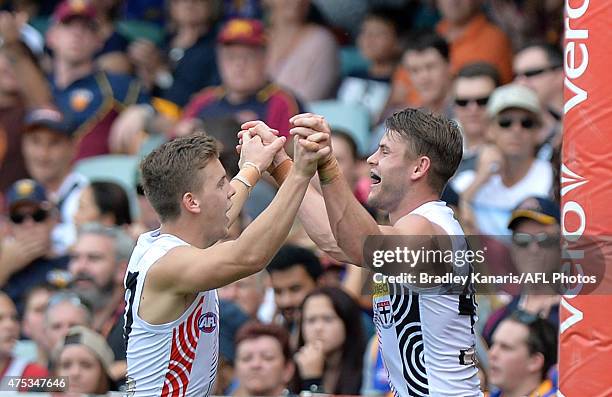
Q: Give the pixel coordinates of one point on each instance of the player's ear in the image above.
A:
(420, 167)
(191, 203)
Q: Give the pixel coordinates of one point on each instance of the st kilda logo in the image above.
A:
(207, 322)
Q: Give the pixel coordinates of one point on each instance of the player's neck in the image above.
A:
(68, 72)
(410, 202)
(185, 230)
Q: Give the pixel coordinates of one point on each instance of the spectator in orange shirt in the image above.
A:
(473, 38)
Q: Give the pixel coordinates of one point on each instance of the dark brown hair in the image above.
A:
(353, 347)
(172, 169)
(433, 136)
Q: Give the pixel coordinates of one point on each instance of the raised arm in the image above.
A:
(312, 213)
(33, 85)
(187, 270)
(253, 160)
(350, 223)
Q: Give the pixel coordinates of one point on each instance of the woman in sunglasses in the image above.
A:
(27, 257)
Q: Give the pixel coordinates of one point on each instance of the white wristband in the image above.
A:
(243, 180)
(251, 164)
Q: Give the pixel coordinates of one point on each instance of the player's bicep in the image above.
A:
(188, 269)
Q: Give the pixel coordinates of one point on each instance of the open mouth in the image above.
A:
(374, 178)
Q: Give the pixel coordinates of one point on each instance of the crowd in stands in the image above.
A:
(110, 79)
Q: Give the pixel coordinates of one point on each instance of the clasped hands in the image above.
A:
(259, 144)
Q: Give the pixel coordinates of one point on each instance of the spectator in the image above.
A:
(246, 93)
(85, 359)
(524, 350)
(539, 66)
(507, 172)
(12, 112)
(527, 20)
(147, 219)
(536, 232)
(49, 145)
(33, 321)
(27, 257)
(9, 332)
(111, 57)
(345, 150)
(103, 202)
(293, 274)
(427, 60)
(89, 97)
(65, 310)
(263, 360)
(379, 44)
(188, 47)
(232, 320)
(248, 293)
(331, 343)
(98, 264)
(472, 38)
(473, 86)
(294, 41)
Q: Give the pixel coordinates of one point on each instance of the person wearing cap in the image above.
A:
(49, 147)
(245, 93)
(507, 171)
(85, 359)
(536, 232)
(91, 98)
(27, 257)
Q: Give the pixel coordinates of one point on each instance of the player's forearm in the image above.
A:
(313, 216)
(242, 183)
(264, 236)
(350, 223)
(238, 200)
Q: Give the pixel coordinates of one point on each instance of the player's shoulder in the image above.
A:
(415, 224)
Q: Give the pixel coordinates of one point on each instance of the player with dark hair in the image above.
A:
(427, 340)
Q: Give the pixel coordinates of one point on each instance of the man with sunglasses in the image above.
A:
(539, 66)
(472, 88)
(535, 226)
(27, 257)
(523, 352)
(507, 171)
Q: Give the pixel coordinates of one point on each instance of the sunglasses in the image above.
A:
(526, 122)
(544, 240)
(463, 102)
(536, 72)
(140, 190)
(38, 216)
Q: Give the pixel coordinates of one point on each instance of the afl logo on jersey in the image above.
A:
(80, 99)
(207, 322)
(385, 315)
